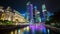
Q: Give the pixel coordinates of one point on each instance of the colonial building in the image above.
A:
(11, 15)
(1, 13)
(18, 17)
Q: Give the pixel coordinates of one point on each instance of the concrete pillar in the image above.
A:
(11, 32)
(16, 32)
(21, 31)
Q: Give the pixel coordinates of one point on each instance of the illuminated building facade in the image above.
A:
(1, 12)
(30, 12)
(44, 11)
(11, 15)
(18, 17)
(46, 14)
(36, 15)
(27, 13)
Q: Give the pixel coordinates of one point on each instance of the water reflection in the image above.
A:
(32, 29)
(38, 29)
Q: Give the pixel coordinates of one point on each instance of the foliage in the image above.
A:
(54, 19)
(6, 22)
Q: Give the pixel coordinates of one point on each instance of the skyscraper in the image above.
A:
(36, 15)
(29, 13)
(44, 11)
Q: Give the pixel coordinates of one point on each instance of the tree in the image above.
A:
(55, 19)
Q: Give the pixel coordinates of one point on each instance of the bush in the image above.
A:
(8, 22)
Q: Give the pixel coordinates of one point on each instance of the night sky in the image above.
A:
(53, 5)
(20, 5)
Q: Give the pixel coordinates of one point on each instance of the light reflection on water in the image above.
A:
(34, 29)
(40, 28)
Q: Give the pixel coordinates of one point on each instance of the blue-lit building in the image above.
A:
(29, 13)
(36, 15)
(44, 12)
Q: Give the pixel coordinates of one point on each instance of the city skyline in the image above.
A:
(20, 5)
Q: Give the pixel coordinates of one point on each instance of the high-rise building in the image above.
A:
(44, 11)
(36, 15)
(27, 13)
(30, 12)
